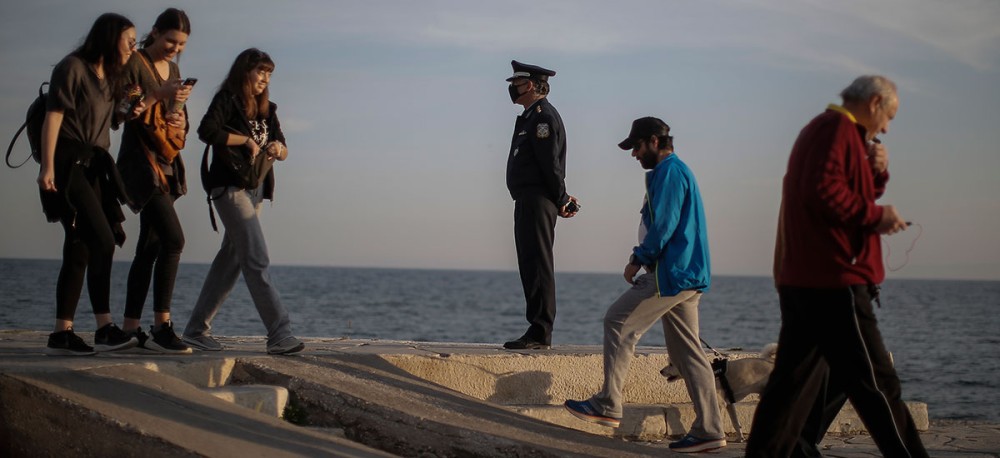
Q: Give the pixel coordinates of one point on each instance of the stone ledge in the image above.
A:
(645, 422)
(266, 399)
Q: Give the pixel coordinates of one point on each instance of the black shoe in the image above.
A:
(165, 341)
(111, 338)
(526, 343)
(139, 335)
(67, 343)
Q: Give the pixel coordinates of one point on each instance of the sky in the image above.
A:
(398, 121)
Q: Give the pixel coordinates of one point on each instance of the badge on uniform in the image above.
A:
(542, 131)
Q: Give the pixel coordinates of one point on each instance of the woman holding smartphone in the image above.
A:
(80, 186)
(242, 127)
(154, 176)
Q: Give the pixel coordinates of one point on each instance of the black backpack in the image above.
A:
(33, 122)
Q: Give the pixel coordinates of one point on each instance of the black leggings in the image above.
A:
(157, 254)
(88, 250)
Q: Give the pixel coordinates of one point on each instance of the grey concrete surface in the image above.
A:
(355, 398)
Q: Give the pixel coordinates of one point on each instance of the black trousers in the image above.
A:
(157, 255)
(831, 333)
(534, 234)
(88, 249)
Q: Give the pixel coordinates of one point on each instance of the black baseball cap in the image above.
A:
(530, 71)
(642, 129)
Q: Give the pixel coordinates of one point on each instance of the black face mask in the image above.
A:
(514, 93)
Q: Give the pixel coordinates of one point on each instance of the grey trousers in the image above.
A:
(628, 319)
(243, 251)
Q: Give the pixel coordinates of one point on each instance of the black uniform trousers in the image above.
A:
(534, 234)
(831, 332)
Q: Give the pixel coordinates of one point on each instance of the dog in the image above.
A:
(742, 376)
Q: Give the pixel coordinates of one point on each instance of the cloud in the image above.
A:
(966, 31)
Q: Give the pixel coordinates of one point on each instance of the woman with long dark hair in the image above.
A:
(242, 127)
(154, 176)
(79, 183)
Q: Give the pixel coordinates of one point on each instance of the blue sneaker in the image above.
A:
(586, 412)
(691, 444)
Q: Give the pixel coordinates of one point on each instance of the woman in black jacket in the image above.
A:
(242, 127)
(154, 176)
(80, 186)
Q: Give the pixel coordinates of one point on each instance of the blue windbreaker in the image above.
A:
(676, 241)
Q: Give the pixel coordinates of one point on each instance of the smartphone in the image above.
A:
(190, 81)
(572, 206)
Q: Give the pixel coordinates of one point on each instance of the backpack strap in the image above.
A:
(208, 190)
(11, 147)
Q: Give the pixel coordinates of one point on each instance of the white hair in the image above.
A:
(867, 86)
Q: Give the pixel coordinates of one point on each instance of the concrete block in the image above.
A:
(205, 373)
(540, 378)
(645, 422)
(266, 399)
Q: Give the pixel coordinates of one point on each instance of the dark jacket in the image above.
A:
(537, 160)
(229, 165)
(75, 160)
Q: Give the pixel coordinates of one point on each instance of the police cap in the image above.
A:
(530, 71)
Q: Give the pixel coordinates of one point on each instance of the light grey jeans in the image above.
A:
(243, 251)
(628, 319)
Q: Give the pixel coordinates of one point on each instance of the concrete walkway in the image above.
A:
(362, 398)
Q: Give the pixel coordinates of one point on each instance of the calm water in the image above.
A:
(943, 334)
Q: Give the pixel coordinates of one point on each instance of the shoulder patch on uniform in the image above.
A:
(542, 131)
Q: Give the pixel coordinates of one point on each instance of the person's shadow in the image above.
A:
(522, 388)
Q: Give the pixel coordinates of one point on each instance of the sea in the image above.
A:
(944, 334)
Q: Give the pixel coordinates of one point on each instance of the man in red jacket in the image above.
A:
(827, 267)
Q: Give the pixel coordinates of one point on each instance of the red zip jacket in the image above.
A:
(826, 227)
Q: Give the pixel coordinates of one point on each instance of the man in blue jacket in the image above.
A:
(673, 252)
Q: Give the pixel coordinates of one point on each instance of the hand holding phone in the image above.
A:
(187, 83)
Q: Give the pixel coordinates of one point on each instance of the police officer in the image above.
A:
(536, 172)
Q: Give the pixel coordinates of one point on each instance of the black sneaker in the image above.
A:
(110, 338)
(141, 336)
(67, 343)
(165, 341)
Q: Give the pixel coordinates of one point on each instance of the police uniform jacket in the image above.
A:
(537, 160)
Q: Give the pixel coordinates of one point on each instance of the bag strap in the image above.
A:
(149, 67)
(208, 191)
(10, 147)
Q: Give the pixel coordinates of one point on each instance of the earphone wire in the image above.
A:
(906, 260)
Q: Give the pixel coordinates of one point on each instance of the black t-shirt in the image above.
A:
(85, 101)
